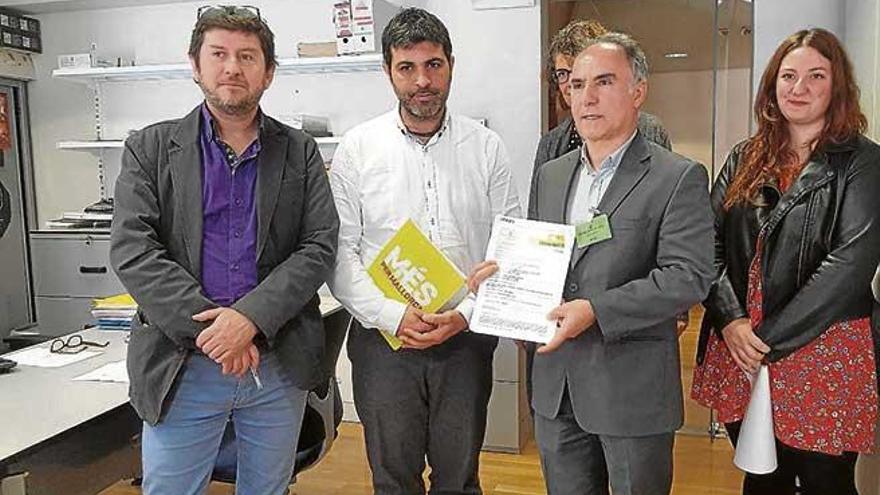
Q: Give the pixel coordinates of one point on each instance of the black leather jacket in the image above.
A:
(821, 247)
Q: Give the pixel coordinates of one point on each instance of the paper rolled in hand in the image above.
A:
(756, 446)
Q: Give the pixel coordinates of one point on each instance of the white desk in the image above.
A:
(44, 406)
(39, 403)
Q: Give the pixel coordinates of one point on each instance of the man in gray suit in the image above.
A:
(607, 390)
(224, 229)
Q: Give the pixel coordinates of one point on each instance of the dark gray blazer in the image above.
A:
(623, 373)
(156, 252)
(555, 143)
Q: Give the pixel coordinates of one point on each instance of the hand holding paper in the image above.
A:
(480, 273)
(532, 263)
(574, 318)
(746, 348)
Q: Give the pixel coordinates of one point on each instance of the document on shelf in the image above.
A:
(114, 372)
(533, 259)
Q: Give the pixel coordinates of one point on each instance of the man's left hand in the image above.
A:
(572, 319)
(448, 323)
(230, 333)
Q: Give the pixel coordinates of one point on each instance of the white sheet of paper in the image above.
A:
(115, 372)
(533, 259)
(41, 357)
(756, 446)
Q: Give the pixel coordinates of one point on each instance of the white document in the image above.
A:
(115, 372)
(756, 446)
(533, 259)
(41, 357)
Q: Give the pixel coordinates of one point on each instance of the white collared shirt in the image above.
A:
(590, 184)
(451, 187)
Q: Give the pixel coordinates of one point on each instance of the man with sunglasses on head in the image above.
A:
(223, 231)
(450, 175)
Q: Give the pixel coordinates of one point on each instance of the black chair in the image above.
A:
(322, 416)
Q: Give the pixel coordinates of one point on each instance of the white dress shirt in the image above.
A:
(590, 184)
(451, 187)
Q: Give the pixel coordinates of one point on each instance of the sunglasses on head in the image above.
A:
(236, 10)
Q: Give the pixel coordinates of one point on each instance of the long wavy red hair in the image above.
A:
(769, 149)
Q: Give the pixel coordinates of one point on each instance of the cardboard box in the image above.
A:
(353, 20)
(363, 26)
(316, 49)
(74, 60)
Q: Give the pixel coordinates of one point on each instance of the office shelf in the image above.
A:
(90, 145)
(319, 65)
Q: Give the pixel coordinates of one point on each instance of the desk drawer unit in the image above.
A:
(61, 315)
(73, 265)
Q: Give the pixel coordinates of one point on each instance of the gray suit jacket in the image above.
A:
(623, 373)
(555, 143)
(156, 252)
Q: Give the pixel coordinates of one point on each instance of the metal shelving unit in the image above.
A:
(321, 65)
(96, 77)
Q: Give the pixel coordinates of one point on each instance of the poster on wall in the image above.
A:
(5, 135)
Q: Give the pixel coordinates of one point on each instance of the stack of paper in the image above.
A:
(77, 220)
(115, 312)
(41, 357)
(114, 372)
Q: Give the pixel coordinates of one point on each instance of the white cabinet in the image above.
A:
(69, 270)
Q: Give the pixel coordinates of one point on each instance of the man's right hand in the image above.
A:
(238, 364)
(480, 273)
(746, 348)
(412, 324)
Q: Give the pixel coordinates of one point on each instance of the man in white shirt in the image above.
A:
(450, 175)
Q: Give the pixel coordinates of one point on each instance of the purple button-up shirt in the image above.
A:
(229, 233)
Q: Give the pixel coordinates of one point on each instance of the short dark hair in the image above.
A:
(411, 26)
(233, 19)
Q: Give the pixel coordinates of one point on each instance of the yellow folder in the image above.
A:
(410, 269)
(114, 302)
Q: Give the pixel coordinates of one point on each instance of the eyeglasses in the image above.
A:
(73, 345)
(561, 75)
(237, 10)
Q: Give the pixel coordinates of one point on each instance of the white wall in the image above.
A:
(496, 76)
(855, 22)
(862, 25)
(777, 19)
(690, 127)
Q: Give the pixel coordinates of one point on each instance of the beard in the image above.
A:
(423, 110)
(232, 106)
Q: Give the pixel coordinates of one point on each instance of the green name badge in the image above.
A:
(596, 230)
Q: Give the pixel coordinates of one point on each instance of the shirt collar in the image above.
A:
(211, 130)
(437, 135)
(612, 161)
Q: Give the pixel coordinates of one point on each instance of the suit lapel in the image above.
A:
(270, 173)
(185, 162)
(563, 182)
(633, 167)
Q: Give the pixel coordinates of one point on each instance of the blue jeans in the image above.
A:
(179, 453)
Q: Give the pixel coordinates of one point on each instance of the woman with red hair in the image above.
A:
(797, 242)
